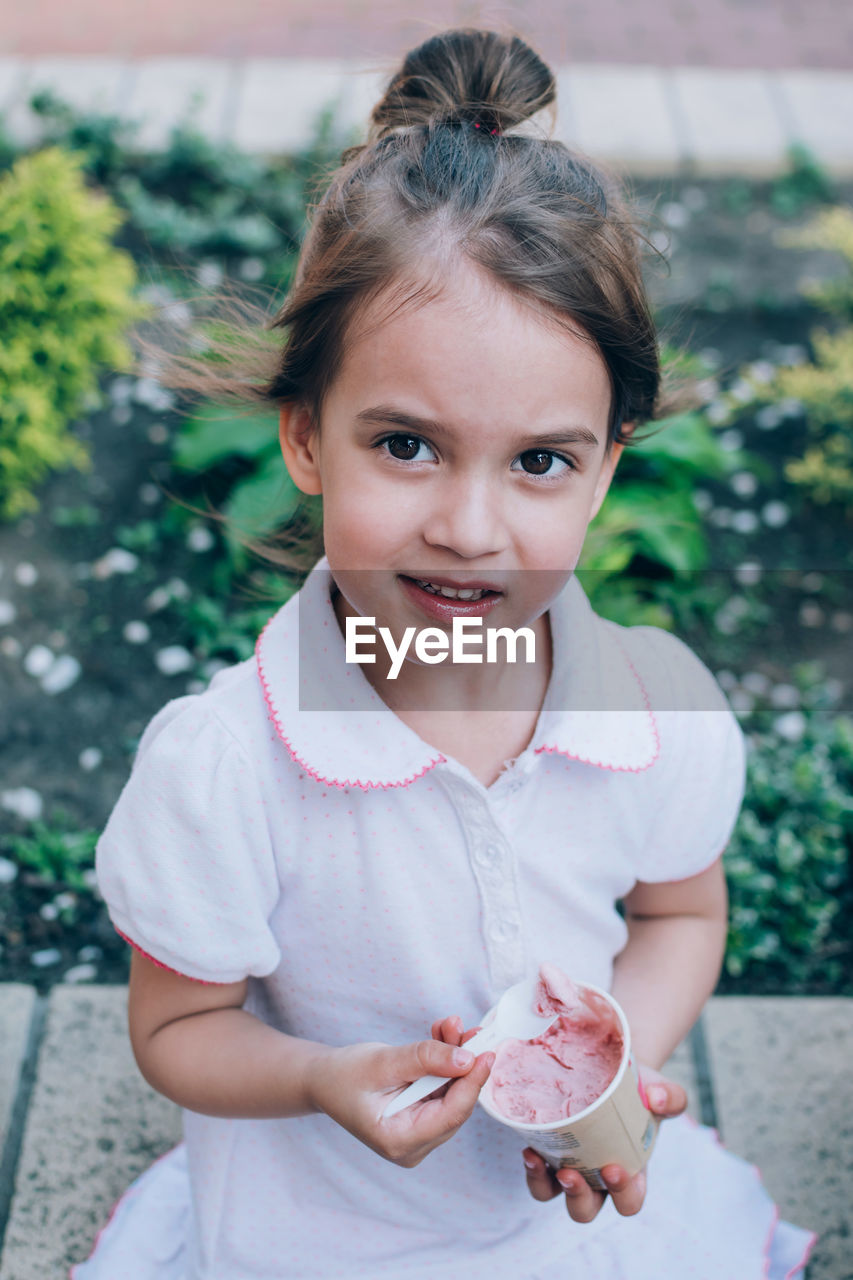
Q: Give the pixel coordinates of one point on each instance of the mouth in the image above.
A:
(443, 599)
(454, 593)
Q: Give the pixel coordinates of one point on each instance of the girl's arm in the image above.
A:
(671, 962)
(194, 1043)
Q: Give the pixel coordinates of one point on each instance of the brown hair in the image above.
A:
(442, 175)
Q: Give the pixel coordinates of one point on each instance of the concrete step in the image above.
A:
(643, 119)
(772, 1074)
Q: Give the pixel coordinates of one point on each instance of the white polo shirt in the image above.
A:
(367, 885)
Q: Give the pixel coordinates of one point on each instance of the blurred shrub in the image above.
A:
(261, 498)
(639, 549)
(821, 389)
(196, 199)
(57, 854)
(65, 296)
(789, 861)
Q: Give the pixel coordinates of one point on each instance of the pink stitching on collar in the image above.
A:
(319, 777)
(618, 768)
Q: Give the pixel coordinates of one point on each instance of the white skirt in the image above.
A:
(707, 1216)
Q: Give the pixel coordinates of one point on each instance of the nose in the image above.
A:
(465, 517)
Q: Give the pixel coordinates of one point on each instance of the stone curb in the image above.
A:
(771, 1074)
(643, 119)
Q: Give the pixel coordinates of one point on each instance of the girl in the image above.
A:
(317, 857)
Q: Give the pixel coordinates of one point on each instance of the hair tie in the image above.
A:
(477, 125)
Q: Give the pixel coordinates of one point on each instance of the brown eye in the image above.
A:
(537, 462)
(404, 448)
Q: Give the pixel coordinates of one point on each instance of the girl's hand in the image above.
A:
(665, 1099)
(354, 1085)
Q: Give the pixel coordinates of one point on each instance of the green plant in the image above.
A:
(197, 199)
(65, 297)
(821, 389)
(640, 551)
(805, 182)
(261, 498)
(789, 861)
(55, 853)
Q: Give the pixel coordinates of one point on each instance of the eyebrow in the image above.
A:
(411, 422)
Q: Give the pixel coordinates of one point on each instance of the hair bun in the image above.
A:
(493, 80)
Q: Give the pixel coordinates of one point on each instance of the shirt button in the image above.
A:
(489, 856)
(503, 930)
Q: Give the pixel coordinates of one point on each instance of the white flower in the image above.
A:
(26, 574)
(744, 484)
(38, 661)
(200, 538)
(748, 574)
(173, 660)
(775, 514)
(80, 973)
(136, 632)
(791, 726)
(784, 695)
(674, 214)
(768, 417)
(116, 560)
(811, 615)
(89, 758)
(8, 871)
(745, 522)
(756, 682)
(64, 672)
(742, 391)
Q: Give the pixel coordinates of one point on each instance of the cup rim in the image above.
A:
(566, 1122)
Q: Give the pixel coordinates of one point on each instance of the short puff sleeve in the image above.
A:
(185, 863)
(698, 780)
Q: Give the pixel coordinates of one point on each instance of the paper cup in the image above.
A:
(617, 1128)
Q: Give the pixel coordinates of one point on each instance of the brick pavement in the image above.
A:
(769, 34)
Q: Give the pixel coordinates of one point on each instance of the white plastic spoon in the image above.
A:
(512, 1018)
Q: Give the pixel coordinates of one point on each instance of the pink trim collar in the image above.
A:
(350, 738)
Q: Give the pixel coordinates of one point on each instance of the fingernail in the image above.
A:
(657, 1096)
(529, 1162)
(462, 1058)
(569, 1183)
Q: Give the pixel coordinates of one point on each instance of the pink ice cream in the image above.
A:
(562, 1071)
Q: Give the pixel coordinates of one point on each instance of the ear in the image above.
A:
(297, 434)
(608, 466)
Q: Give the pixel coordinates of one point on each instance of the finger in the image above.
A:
(582, 1203)
(541, 1182)
(410, 1062)
(459, 1100)
(447, 1030)
(666, 1098)
(627, 1193)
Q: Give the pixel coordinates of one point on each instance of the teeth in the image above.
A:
(452, 593)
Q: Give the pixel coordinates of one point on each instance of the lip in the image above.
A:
(439, 608)
(460, 584)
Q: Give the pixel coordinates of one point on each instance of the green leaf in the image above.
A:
(214, 433)
(262, 502)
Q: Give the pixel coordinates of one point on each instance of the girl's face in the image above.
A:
(463, 446)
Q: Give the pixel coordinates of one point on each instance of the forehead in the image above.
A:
(466, 349)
